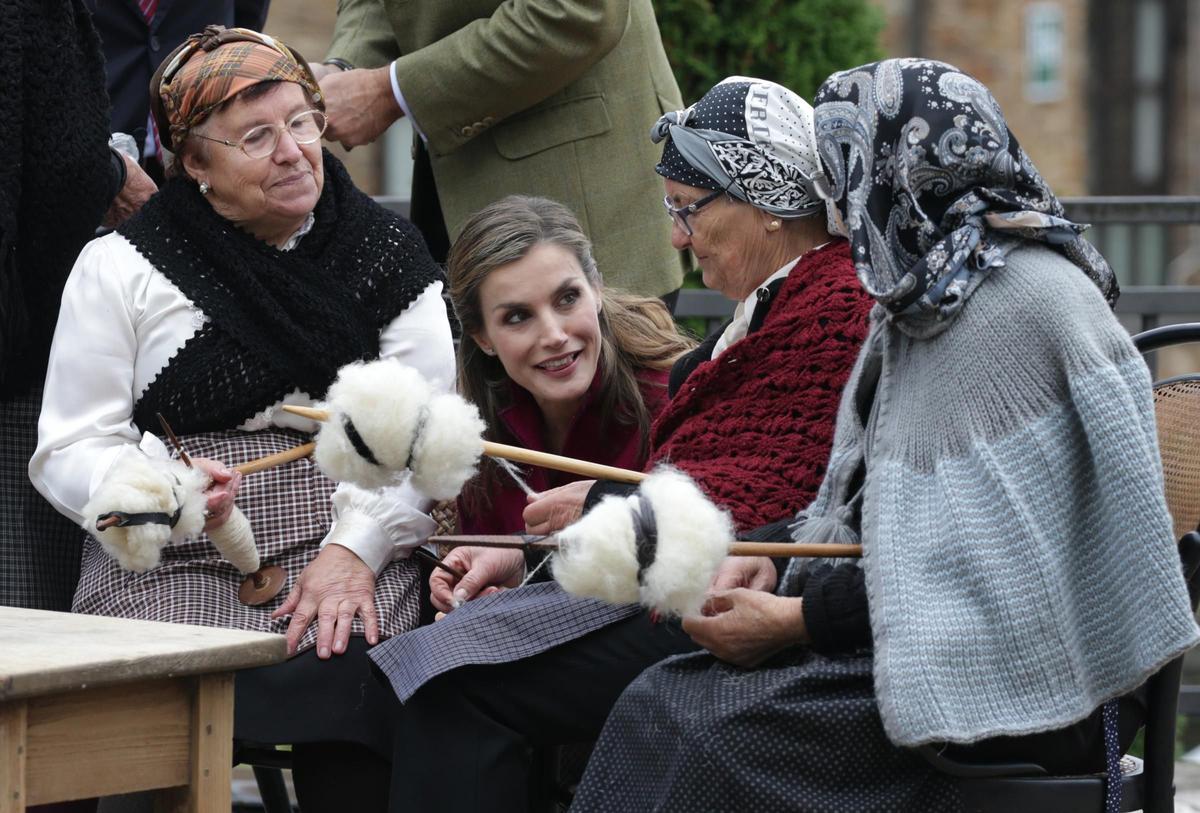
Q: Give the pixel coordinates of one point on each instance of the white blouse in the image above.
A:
(121, 321)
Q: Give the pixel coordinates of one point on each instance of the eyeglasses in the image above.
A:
(681, 214)
(261, 141)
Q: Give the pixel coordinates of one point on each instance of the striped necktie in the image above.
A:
(148, 7)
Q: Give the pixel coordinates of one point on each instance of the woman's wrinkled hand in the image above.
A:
(219, 497)
(745, 627)
(556, 508)
(335, 587)
(752, 572)
(486, 571)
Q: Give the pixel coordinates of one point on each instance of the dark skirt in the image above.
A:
(39, 547)
(290, 511)
(501, 628)
(801, 733)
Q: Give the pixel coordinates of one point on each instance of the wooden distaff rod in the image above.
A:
(277, 459)
(785, 549)
(518, 455)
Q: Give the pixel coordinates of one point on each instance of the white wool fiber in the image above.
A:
(384, 400)
(137, 485)
(448, 447)
(235, 540)
(598, 554)
(694, 536)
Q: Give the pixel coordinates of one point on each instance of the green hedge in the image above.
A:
(796, 43)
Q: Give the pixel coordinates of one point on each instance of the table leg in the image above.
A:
(13, 719)
(211, 765)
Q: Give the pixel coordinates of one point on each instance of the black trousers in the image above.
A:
(466, 740)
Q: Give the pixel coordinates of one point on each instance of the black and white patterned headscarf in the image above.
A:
(751, 138)
(933, 187)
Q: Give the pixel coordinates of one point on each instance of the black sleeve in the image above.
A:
(250, 14)
(689, 361)
(602, 488)
(835, 608)
(118, 172)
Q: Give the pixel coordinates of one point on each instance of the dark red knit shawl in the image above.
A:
(754, 426)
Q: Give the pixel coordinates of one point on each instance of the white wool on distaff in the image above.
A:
(234, 539)
(598, 553)
(448, 447)
(384, 399)
(694, 536)
(136, 485)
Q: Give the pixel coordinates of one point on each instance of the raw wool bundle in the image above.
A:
(385, 419)
(599, 556)
(137, 485)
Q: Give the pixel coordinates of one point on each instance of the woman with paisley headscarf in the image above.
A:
(996, 456)
(251, 277)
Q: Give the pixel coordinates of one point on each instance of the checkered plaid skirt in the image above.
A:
(288, 508)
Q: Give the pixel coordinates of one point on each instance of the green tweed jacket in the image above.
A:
(544, 97)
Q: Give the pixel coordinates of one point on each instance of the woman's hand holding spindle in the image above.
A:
(556, 508)
(221, 494)
(487, 571)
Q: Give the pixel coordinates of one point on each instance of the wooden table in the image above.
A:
(91, 706)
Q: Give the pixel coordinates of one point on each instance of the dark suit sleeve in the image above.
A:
(251, 14)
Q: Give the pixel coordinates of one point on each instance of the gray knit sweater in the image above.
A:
(1021, 567)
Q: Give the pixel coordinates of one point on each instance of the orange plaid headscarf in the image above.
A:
(214, 66)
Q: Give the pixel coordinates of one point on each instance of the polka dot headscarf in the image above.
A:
(751, 137)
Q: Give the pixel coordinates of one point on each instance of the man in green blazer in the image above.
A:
(542, 97)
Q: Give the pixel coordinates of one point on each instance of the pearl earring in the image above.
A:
(774, 225)
(204, 187)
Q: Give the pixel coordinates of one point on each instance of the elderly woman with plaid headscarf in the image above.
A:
(255, 273)
(995, 455)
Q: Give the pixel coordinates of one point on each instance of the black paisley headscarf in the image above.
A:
(932, 186)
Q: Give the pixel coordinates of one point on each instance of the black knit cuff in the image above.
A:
(835, 609)
(602, 488)
(120, 173)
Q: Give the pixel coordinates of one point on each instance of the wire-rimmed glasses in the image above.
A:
(305, 127)
(681, 214)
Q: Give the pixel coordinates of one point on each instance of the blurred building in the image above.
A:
(1103, 94)
(1097, 90)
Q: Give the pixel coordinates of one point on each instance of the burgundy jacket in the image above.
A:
(616, 445)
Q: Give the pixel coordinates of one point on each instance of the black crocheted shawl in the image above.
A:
(56, 179)
(277, 321)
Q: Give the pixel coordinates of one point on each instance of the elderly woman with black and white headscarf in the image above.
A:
(995, 455)
(750, 418)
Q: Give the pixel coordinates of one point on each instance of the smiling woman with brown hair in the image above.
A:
(256, 272)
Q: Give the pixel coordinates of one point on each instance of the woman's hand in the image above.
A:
(487, 571)
(335, 587)
(220, 495)
(555, 509)
(745, 627)
(753, 572)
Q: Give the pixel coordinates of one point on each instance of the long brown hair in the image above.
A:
(636, 332)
